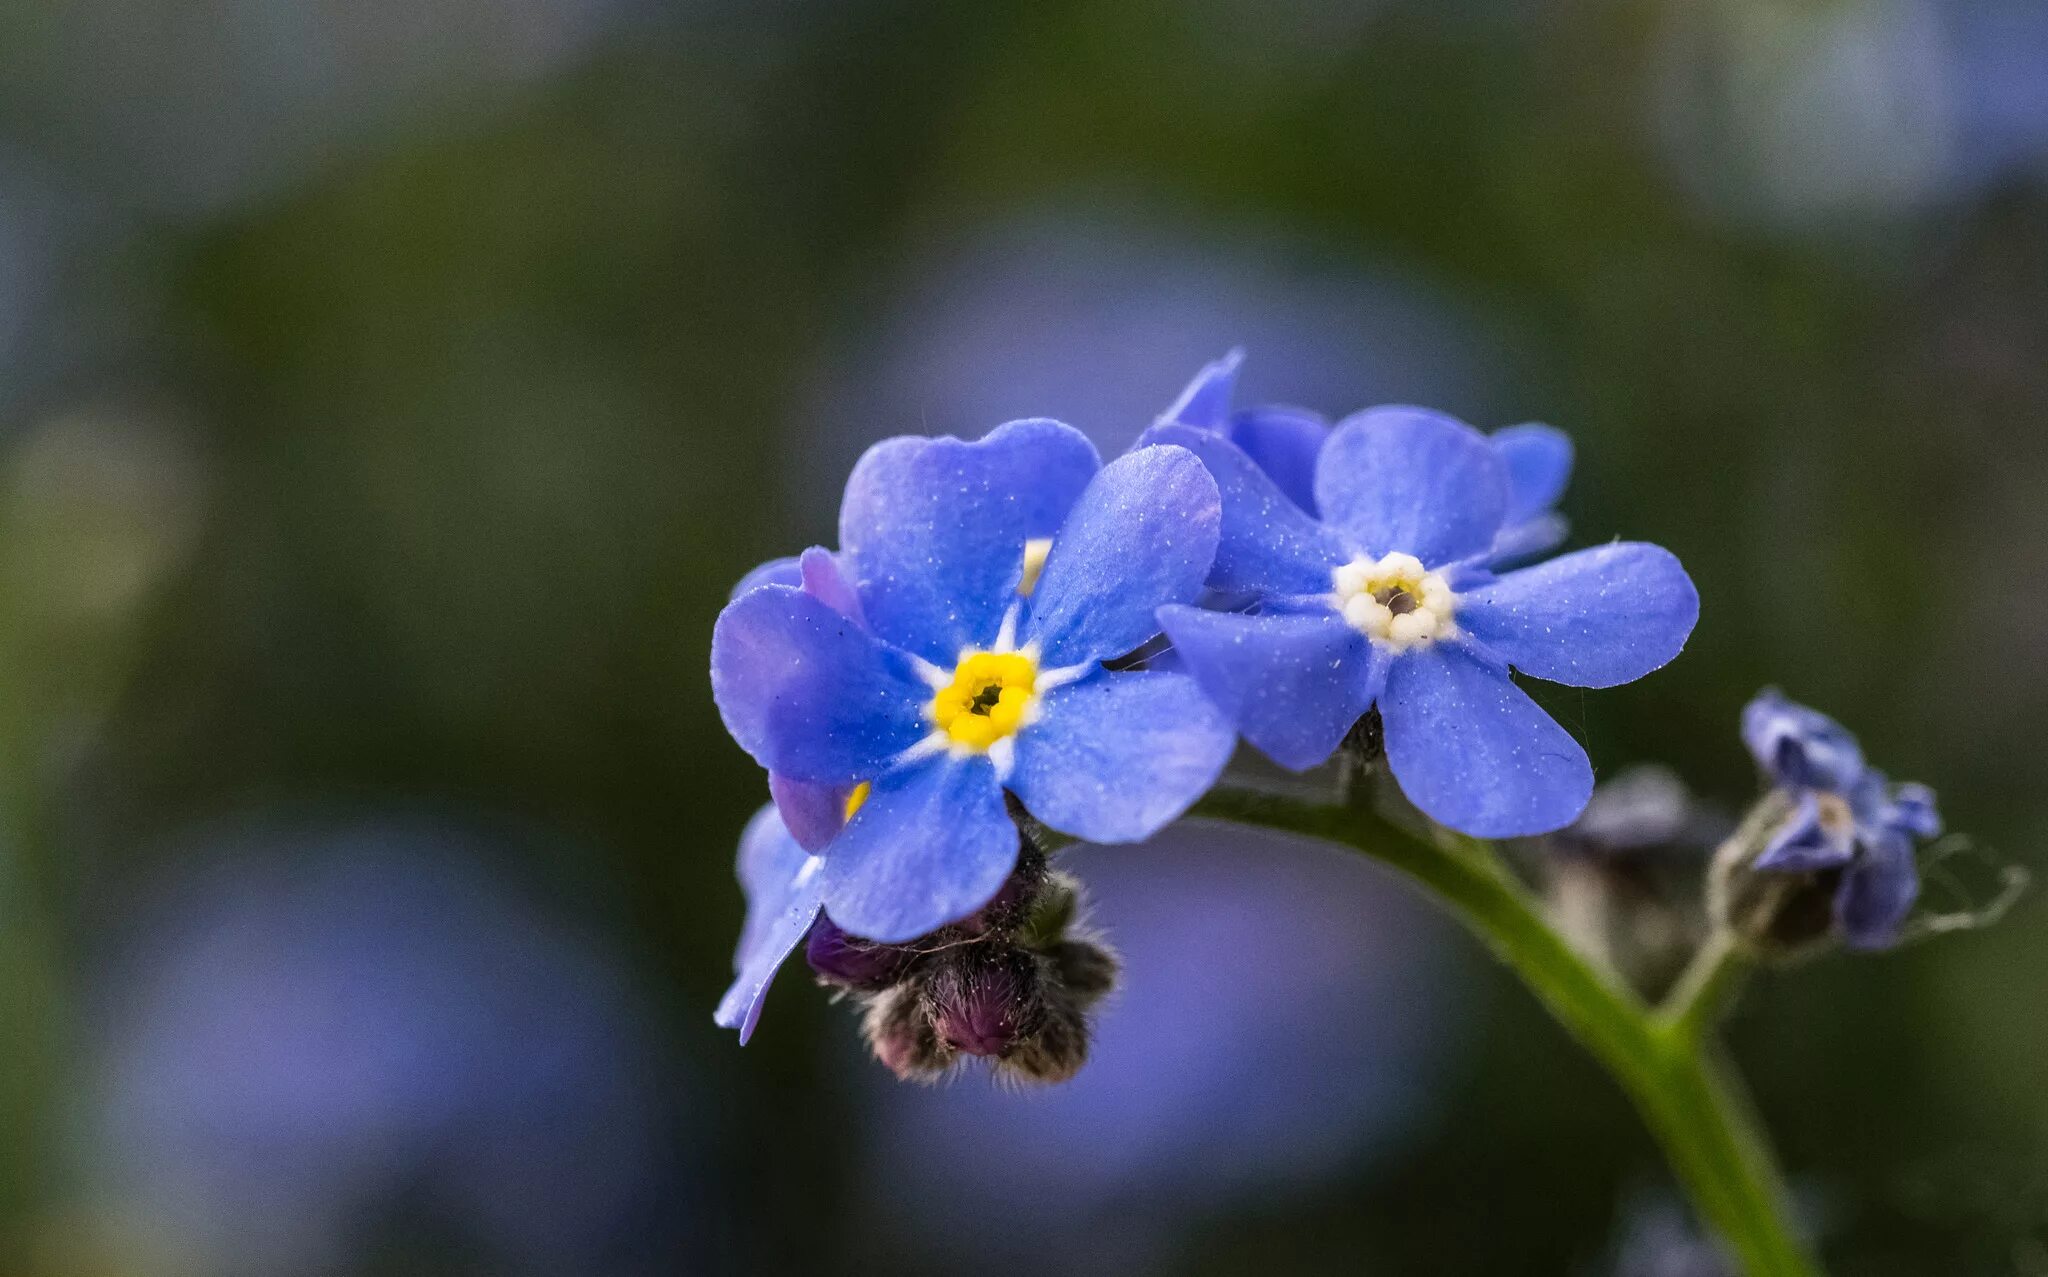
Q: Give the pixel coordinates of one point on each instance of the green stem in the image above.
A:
(1673, 1076)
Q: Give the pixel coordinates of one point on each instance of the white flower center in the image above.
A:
(1394, 601)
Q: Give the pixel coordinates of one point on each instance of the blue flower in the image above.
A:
(1387, 601)
(1846, 816)
(974, 665)
(1284, 443)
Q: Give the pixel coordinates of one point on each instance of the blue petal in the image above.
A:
(1268, 543)
(1116, 757)
(1913, 811)
(1594, 618)
(1520, 542)
(1205, 403)
(1414, 481)
(1474, 752)
(1283, 442)
(810, 694)
(810, 811)
(1292, 684)
(781, 571)
(1805, 844)
(933, 530)
(1141, 536)
(932, 844)
(824, 581)
(781, 883)
(1877, 893)
(1799, 746)
(1539, 463)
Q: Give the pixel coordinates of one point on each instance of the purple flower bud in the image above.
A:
(844, 959)
(900, 1032)
(987, 1000)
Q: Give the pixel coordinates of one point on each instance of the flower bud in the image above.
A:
(900, 1032)
(848, 961)
(1086, 969)
(1772, 913)
(985, 999)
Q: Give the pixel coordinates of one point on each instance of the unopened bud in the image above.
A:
(848, 961)
(986, 999)
(1771, 913)
(900, 1032)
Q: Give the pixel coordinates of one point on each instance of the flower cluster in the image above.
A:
(1014, 638)
(1835, 822)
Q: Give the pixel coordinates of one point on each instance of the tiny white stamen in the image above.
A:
(933, 676)
(935, 743)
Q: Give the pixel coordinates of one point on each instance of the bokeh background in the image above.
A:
(391, 390)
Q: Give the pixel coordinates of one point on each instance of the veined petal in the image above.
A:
(1474, 752)
(781, 571)
(1877, 892)
(1413, 481)
(1205, 403)
(933, 530)
(1593, 618)
(1116, 757)
(1520, 542)
(1539, 464)
(932, 844)
(809, 693)
(1143, 534)
(1268, 544)
(780, 880)
(1294, 685)
(1283, 442)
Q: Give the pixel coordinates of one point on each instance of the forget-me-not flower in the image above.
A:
(1283, 442)
(1386, 601)
(975, 666)
(1846, 816)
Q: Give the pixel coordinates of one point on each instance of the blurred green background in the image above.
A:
(391, 391)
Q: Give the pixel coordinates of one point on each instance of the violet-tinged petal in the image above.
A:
(931, 845)
(933, 530)
(1142, 535)
(1283, 442)
(1593, 618)
(1293, 684)
(1877, 892)
(1808, 842)
(1474, 752)
(824, 581)
(1539, 464)
(781, 884)
(1799, 746)
(783, 571)
(1205, 403)
(1116, 757)
(812, 812)
(1413, 481)
(1913, 811)
(809, 693)
(1267, 543)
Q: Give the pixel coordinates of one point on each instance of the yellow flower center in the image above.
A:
(989, 698)
(1394, 600)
